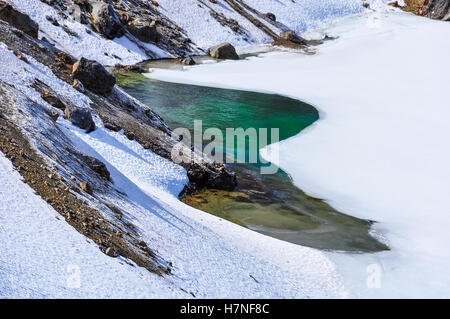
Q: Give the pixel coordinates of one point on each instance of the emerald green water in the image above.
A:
(269, 204)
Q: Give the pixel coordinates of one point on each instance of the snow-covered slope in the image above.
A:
(194, 16)
(42, 256)
(380, 150)
(85, 43)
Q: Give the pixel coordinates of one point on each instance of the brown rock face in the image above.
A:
(18, 19)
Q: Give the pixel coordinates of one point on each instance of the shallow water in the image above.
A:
(268, 204)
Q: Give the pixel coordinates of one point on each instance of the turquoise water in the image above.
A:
(269, 204)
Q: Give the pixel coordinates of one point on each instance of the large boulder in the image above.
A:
(439, 9)
(105, 20)
(80, 117)
(18, 19)
(94, 76)
(145, 33)
(224, 51)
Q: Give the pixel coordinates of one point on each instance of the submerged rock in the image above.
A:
(80, 117)
(224, 51)
(188, 61)
(94, 76)
(206, 176)
(18, 19)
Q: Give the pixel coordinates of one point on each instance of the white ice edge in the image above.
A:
(381, 152)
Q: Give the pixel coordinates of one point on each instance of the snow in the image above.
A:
(41, 256)
(44, 257)
(212, 257)
(205, 31)
(380, 150)
(301, 16)
(88, 45)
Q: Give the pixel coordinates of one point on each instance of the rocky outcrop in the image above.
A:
(94, 76)
(105, 20)
(144, 32)
(223, 51)
(18, 19)
(80, 117)
(434, 9)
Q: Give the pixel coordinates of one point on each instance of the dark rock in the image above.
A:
(77, 85)
(292, 37)
(20, 56)
(188, 61)
(224, 51)
(97, 166)
(145, 33)
(80, 117)
(130, 135)
(18, 19)
(208, 177)
(140, 67)
(111, 125)
(93, 76)
(270, 16)
(86, 187)
(54, 115)
(439, 9)
(105, 20)
(52, 21)
(53, 101)
(69, 31)
(111, 252)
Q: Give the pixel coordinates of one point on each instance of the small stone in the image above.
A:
(54, 115)
(111, 252)
(80, 117)
(86, 187)
(77, 85)
(53, 100)
(270, 16)
(188, 61)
